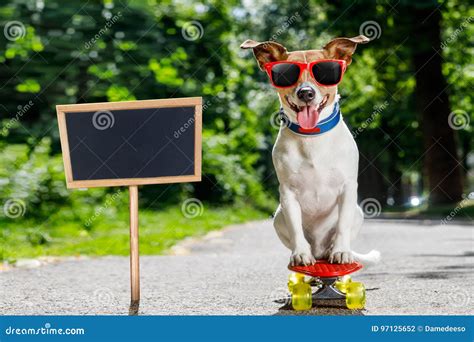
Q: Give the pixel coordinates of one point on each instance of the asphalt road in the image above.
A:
(425, 270)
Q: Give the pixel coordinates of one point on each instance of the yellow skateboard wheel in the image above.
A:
(342, 282)
(301, 297)
(355, 295)
(293, 279)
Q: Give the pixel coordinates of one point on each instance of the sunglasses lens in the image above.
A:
(327, 73)
(285, 74)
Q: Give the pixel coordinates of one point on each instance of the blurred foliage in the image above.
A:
(95, 51)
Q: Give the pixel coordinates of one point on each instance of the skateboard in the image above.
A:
(331, 281)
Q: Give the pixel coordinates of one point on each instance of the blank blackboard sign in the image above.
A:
(131, 143)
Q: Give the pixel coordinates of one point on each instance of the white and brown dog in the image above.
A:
(315, 156)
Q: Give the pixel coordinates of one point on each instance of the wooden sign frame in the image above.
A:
(132, 183)
(63, 110)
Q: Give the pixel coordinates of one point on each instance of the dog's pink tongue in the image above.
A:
(308, 117)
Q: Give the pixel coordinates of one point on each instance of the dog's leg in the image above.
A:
(341, 249)
(281, 227)
(291, 210)
(358, 221)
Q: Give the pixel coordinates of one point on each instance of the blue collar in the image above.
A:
(321, 127)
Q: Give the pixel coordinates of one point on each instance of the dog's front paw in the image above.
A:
(299, 258)
(341, 257)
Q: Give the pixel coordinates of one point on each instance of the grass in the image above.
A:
(109, 235)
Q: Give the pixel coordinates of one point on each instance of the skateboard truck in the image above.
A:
(328, 290)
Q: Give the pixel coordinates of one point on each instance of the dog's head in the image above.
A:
(304, 100)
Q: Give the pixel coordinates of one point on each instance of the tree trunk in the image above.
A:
(441, 164)
(371, 182)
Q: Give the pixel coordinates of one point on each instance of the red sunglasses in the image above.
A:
(326, 72)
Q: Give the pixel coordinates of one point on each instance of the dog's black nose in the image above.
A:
(306, 94)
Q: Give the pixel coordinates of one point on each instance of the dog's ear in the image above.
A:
(266, 52)
(343, 48)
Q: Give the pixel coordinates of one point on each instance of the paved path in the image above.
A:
(242, 270)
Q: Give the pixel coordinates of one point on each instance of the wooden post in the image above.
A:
(134, 256)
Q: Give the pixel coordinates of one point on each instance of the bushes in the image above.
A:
(33, 182)
(32, 177)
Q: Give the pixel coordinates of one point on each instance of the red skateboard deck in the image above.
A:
(324, 269)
